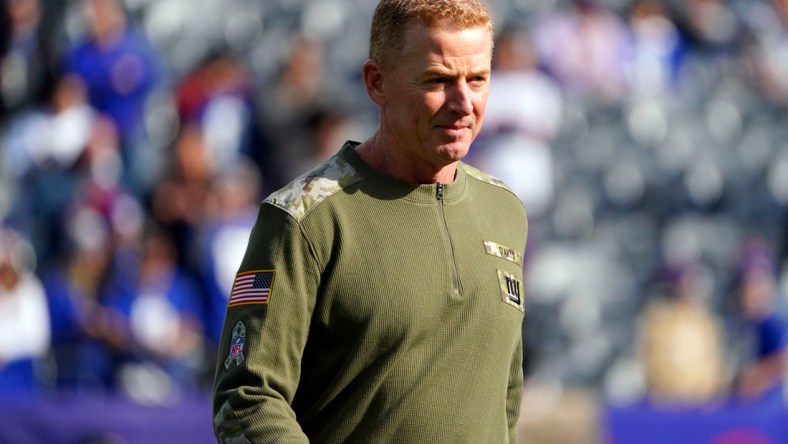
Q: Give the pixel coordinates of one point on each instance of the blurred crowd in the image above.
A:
(648, 140)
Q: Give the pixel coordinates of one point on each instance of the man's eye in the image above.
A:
(439, 80)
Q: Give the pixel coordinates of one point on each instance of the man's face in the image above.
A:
(436, 91)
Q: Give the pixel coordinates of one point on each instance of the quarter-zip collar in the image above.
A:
(421, 193)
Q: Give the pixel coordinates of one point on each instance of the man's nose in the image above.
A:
(459, 100)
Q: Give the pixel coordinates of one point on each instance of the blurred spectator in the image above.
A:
(161, 307)
(53, 135)
(681, 341)
(522, 117)
(300, 95)
(48, 154)
(769, 21)
(715, 36)
(765, 370)
(27, 57)
(120, 69)
(299, 84)
(24, 320)
(585, 47)
(179, 202)
(656, 49)
(234, 200)
(86, 340)
(712, 25)
(522, 98)
(217, 97)
(97, 227)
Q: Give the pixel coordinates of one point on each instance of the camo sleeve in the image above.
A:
(265, 331)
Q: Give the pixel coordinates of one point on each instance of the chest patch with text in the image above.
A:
(503, 252)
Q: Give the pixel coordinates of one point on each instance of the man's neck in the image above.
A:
(385, 158)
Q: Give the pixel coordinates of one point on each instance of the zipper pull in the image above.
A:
(439, 191)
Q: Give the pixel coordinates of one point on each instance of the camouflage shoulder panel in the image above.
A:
(227, 427)
(484, 177)
(304, 193)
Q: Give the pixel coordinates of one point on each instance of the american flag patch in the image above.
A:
(251, 287)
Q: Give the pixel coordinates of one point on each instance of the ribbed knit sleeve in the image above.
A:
(253, 394)
(514, 395)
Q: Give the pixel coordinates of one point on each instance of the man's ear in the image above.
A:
(372, 73)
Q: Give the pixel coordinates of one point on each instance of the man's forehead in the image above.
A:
(418, 29)
(437, 64)
(449, 41)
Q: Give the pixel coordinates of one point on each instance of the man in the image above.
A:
(380, 298)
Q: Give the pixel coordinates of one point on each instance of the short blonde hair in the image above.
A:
(392, 17)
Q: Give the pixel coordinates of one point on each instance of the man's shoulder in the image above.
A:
(485, 177)
(502, 195)
(307, 191)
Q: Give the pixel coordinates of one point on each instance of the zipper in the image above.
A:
(440, 190)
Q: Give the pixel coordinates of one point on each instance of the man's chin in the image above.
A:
(453, 151)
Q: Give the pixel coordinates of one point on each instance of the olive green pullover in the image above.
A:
(388, 312)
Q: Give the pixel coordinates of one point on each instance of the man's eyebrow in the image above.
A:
(443, 72)
(437, 71)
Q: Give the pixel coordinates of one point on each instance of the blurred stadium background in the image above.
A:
(647, 138)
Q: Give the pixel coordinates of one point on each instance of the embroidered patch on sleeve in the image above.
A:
(236, 346)
(511, 290)
(498, 250)
(252, 287)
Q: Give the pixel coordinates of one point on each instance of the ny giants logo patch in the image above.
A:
(511, 290)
